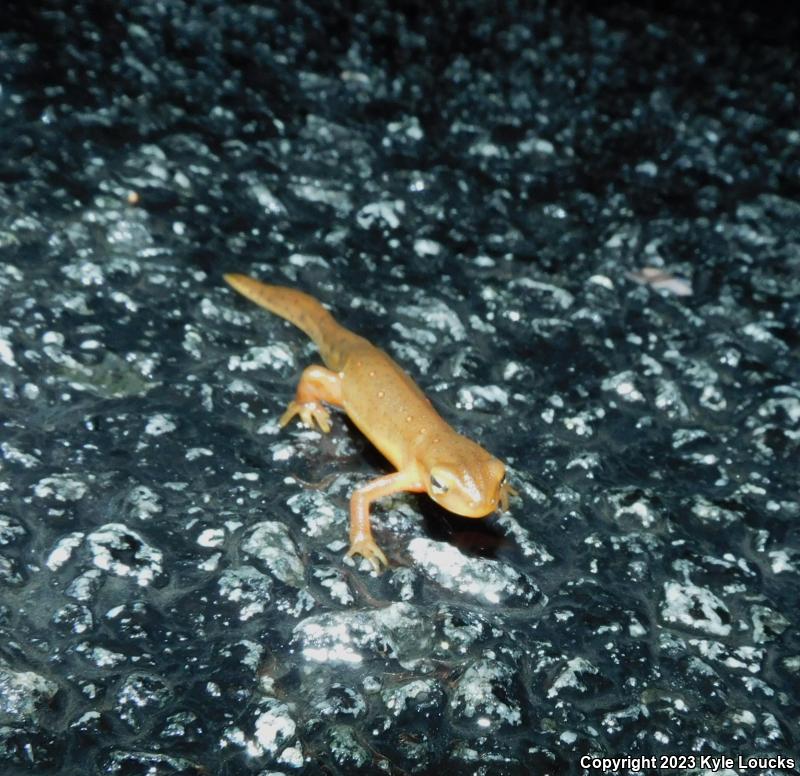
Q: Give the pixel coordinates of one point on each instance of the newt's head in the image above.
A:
(470, 486)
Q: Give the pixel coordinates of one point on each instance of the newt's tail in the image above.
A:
(303, 311)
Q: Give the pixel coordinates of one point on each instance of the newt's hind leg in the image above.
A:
(316, 385)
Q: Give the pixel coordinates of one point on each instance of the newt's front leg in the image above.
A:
(316, 385)
(361, 541)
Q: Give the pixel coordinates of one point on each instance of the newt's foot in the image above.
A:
(367, 549)
(310, 413)
(506, 493)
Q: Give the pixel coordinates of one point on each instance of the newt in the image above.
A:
(390, 409)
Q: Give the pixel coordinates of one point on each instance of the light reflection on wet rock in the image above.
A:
(346, 749)
(270, 730)
(22, 693)
(112, 548)
(74, 618)
(572, 676)
(272, 544)
(490, 582)
(486, 695)
(248, 589)
(140, 698)
(61, 487)
(420, 698)
(119, 550)
(341, 702)
(10, 572)
(397, 632)
(695, 607)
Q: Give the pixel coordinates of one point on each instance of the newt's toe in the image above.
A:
(312, 414)
(506, 494)
(322, 418)
(292, 410)
(370, 551)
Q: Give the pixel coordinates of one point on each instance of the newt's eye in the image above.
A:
(503, 481)
(437, 486)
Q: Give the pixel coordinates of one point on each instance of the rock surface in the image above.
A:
(578, 229)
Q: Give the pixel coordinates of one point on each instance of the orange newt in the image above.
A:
(391, 411)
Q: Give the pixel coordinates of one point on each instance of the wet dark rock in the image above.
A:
(578, 228)
(140, 697)
(22, 694)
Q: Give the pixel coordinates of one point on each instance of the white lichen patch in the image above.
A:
(768, 624)
(695, 607)
(398, 631)
(603, 281)
(329, 194)
(388, 212)
(193, 453)
(248, 588)
(274, 357)
(117, 549)
(272, 729)
(615, 721)
(265, 198)
(271, 543)
(486, 398)
(193, 341)
(22, 693)
(318, 514)
(415, 334)
(437, 315)
(424, 247)
(484, 695)
(335, 583)
(786, 406)
(11, 530)
(669, 400)
(159, 424)
(84, 586)
(63, 550)
(100, 656)
(682, 437)
(242, 388)
(782, 561)
(86, 273)
(522, 539)
(568, 678)
(488, 581)
(708, 512)
(582, 423)
(6, 351)
(123, 299)
(742, 658)
(211, 537)
(555, 295)
(624, 385)
(410, 355)
(630, 504)
(588, 462)
(61, 487)
(283, 451)
(760, 333)
(143, 503)
(412, 696)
